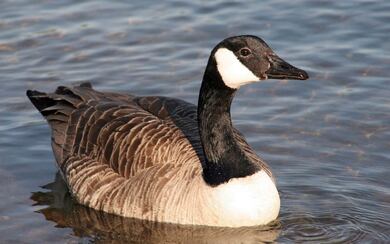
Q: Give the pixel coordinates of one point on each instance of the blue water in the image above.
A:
(327, 139)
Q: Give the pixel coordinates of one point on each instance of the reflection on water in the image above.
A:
(101, 227)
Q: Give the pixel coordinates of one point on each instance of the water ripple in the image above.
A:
(325, 228)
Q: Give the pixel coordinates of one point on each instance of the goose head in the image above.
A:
(234, 62)
(241, 60)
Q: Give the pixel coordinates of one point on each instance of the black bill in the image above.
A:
(280, 69)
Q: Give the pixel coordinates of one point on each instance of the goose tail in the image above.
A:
(58, 102)
(57, 108)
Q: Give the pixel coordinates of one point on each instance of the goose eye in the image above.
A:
(245, 52)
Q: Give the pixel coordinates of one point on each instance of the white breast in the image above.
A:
(253, 200)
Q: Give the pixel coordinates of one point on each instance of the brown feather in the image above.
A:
(132, 156)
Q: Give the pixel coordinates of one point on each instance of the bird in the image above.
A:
(163, 159)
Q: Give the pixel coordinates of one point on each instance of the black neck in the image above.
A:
(224, 157)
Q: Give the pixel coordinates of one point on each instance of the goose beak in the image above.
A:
(280, 69)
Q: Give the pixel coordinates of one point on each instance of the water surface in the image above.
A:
(327, 139)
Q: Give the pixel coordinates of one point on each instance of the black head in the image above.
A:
(245, 59)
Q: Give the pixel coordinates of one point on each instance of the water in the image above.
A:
(327, 139)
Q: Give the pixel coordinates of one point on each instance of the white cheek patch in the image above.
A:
(234, 74)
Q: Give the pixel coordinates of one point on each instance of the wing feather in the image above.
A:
(122, 154)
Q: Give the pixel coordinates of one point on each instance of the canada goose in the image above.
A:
(163, 159)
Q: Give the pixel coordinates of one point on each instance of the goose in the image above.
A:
(163, 159)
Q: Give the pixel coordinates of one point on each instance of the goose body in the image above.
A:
(163, 159)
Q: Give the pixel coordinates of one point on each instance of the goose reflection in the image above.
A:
(60, 208)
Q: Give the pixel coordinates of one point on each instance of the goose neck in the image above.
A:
(224, 157)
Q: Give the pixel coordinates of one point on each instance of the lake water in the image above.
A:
(327, 139)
